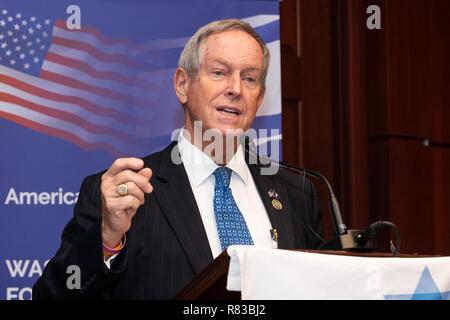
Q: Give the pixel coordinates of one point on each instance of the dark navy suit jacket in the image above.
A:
(166, 244)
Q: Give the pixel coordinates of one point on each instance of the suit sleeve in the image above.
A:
(80, 255)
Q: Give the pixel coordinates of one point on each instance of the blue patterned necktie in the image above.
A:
(230, 222)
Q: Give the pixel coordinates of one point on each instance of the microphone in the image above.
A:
(351, 240)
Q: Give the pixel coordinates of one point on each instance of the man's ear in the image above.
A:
(181, 83)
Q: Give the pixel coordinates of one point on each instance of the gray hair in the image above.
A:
(192, 55)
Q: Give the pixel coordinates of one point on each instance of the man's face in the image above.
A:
(227, 91)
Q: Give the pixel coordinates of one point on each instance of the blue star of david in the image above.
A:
(426, 289)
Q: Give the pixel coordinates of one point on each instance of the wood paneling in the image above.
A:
(307, 89)
(350, 88)
(414, 178)
(416, 64)
(358, 104)
(290, 83)
(407, 102)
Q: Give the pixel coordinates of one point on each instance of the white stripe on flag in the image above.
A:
(106, 84)
(261, 19)
(92, 61)
(162, 44)
(91, 39)
(71, 109)
(72, 92)
(66, 126)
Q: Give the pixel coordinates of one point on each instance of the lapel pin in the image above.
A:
(272, 194)
(277, 204)
(274, 234)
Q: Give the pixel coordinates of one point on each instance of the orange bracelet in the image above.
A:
(112, 251)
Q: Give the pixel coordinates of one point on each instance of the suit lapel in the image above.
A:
(280, 219)
(176, 199)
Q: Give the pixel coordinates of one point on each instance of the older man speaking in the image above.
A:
(145, 227)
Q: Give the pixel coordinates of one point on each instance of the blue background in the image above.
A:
(35, 162)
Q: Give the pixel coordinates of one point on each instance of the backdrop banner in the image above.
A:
(81, 85)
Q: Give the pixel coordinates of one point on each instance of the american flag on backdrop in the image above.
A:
(77, 84)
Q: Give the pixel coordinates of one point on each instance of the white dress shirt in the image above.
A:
(199, 168)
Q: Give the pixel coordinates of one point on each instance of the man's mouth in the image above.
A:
(229, 110)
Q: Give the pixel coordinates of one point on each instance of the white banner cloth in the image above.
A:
(262, 273)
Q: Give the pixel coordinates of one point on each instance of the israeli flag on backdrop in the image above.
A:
(83, 84)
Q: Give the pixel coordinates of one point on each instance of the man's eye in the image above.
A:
(249, 79)
(218, 73)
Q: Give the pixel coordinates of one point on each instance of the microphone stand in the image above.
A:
(349, 240)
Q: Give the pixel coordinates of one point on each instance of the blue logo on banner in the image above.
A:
(426, 289)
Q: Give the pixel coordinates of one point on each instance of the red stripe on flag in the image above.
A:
(99, 55)
(86, 68)
(61, 134)
(83, 103)
(87, 29)
(107, 75)
(70, 117)
(110, 94)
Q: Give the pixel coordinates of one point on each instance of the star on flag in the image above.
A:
(426, 289)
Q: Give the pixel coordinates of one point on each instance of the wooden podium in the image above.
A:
(210, 283)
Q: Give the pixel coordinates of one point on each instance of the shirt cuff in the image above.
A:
(110, 260)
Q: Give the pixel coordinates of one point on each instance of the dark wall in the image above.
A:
(370, 109)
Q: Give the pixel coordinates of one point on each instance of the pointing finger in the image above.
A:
(123, 164)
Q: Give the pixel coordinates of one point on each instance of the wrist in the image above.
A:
(111, 237)
(111, 250)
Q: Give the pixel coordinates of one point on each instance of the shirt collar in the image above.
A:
(199, 166)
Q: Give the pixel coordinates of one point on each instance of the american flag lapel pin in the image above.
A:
(275, 202)
(272, 194)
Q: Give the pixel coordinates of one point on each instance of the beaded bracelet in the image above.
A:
(110, 251)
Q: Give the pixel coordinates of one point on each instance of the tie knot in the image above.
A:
(222, 175)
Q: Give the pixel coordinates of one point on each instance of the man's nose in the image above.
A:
(234, 86)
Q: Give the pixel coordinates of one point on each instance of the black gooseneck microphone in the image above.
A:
(350, 240)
